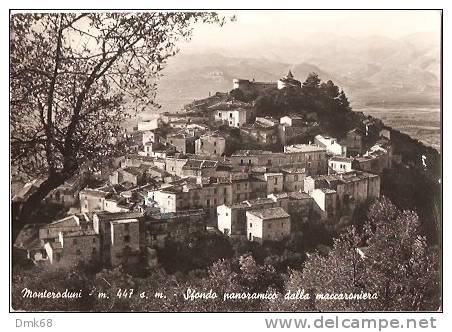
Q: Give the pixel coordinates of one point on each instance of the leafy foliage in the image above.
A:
(75, 77)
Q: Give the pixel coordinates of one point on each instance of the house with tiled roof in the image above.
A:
(267, 224)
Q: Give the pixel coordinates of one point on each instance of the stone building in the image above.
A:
(210, 144)
(293, 178)
(292, 121)
(247, 85)
(176, 226)
(340, 165)
(331, 145)
(268, 225)
(231, 117)
(118, 242)
(326, 202)
(183, 142)
(125, 241)
(206, 194)
(310, 157)
(355, 142)
(232, 217)
(262, 131)
(351, 188)
(92, 200)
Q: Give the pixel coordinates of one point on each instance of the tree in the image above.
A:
(311, 88)
(389, 258)
(71, 77)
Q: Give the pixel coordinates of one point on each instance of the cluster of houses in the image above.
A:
(180, 181)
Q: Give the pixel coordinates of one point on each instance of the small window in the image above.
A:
(219, 114)
(127, 238)
(94, 240)
(74, 241)
(78, 252)
(251, 225)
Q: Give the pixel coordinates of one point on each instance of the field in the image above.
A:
(422, 123)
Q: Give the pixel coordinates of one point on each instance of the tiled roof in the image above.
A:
(341, 159)
(303, 148)
(118, 215)
(272, 213)
(250, 152)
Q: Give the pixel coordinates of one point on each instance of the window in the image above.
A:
(241, 161)
(127, 238)
(230, 115)
(219, 114)
(74, 241)
(126, 227)
(94, 250)
(94, 240)
(276, 180)
(78, 252)
(269, 226)
(251, 225)
(208, 202)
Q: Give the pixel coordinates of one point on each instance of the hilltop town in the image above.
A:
(219, 166)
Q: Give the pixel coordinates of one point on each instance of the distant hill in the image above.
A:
(372, 70)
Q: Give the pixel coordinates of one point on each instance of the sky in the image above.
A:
(252, 26)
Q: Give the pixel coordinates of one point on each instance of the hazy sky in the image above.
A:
(252, 26)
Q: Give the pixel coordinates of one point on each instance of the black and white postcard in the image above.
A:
(225, 161)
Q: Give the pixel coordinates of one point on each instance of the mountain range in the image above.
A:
(372, 70)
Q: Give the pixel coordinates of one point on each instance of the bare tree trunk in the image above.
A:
(25, 212)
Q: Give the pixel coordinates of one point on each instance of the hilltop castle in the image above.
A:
(246, 85)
